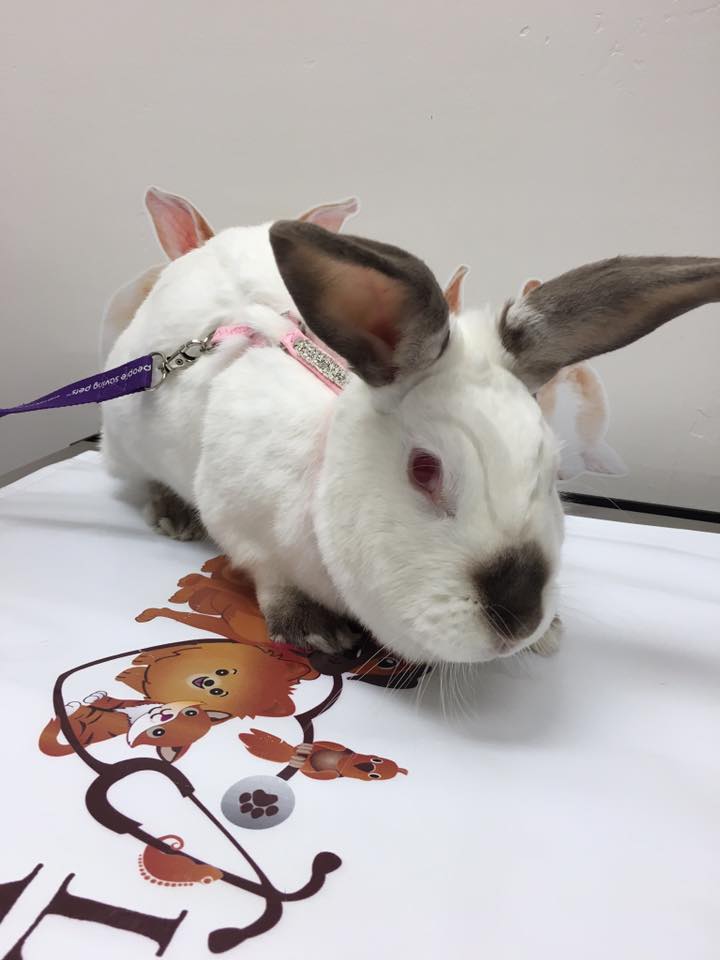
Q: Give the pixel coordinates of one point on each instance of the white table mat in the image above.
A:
(568, 809)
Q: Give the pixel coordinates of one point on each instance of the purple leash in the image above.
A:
(145, 373)
(132, 377)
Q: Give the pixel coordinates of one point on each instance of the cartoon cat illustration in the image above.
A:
(321, 760)
(171, 727)
(98, 718)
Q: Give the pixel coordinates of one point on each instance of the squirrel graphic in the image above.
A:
(321, 760)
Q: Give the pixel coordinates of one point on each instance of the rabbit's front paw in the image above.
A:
(295, 619)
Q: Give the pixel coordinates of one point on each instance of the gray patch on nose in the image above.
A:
(510, 587)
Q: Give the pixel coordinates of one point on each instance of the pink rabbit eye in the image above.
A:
(425, 472)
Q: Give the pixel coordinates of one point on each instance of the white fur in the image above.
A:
(123, 306)
(308, 490)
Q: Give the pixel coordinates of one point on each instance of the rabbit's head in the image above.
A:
(436, 512)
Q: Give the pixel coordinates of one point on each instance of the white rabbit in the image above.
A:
(421, 501)
(180, 228)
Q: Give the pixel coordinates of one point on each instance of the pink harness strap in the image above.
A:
(225, 333)
(328, 367)
(315, 359)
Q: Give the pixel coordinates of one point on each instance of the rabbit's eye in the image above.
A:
(425, 473)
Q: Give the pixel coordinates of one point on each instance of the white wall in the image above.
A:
(520, 137)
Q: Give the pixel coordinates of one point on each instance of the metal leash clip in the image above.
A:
(183, 357)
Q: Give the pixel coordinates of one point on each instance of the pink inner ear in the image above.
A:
(530, 285)
(180, 227)
(453, 291)
(425, 473)
(385, 331)
(331, 216)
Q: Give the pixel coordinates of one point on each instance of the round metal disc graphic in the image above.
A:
(258, 803)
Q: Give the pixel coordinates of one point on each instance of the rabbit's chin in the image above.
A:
(477, 646)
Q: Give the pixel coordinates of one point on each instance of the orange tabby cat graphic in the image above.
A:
(171, 727)
(98, 718)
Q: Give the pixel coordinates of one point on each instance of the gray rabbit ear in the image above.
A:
(601, 307)
(376, 305)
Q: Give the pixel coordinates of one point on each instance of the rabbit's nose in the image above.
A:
(511, 589)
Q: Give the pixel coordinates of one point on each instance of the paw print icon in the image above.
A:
(258, 802)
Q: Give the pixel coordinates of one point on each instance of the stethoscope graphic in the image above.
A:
(108, 775)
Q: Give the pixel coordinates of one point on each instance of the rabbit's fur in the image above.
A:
(452, 556)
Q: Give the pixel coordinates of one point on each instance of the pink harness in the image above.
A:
(307, 349)
(147, 373)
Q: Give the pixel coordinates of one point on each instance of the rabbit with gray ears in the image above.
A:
(421, 501)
